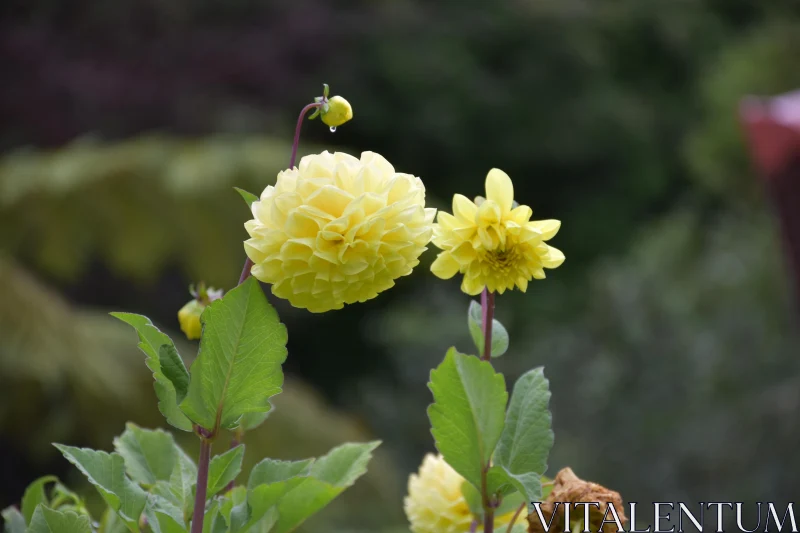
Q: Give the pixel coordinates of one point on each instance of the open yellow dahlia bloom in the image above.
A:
(494, 244)
(337, 230)
(435, 504)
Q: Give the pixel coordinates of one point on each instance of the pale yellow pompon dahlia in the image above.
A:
(493, 243)
(435, 504)
(337, 230)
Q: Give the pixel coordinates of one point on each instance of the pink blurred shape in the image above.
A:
(772, 126)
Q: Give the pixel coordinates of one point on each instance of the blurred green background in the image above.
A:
(669, 334)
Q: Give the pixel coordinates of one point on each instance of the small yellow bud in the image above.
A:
(189, 318)
(189, 315)
(339, 111)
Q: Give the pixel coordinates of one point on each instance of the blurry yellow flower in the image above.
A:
(337, 230)
(339, 111)
(189, 318)
(493, 243)
(435, 504)
(189, 314)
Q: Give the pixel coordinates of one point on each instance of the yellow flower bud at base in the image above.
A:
(435, 503)
(189, 319)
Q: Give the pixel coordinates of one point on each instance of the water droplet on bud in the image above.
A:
(333, 129)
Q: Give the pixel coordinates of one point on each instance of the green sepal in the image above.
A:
(248, 197)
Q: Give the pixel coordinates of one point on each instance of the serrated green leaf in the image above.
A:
(224, 468)
(499, 333)
(247, 196)
(163, 516)
(106, 471)
(13, 521)
(498, 482)
(344, 464)
(46, 520)
(238, 367)
(174, 369)
(171, 376)
(150, 455)
(467, 413)
(329, 476)
(270, 471)
(528, 436)
(34, 495)
(251, 421)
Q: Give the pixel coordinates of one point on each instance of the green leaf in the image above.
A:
(213, 521)
(467, 413)
(106, 471)
(34, 495)
(329, 476)
(224, 468)
(528, 437)
(163, 516)
(499, 333)
(251, 421)
(270, 471)
(13, 521)
(46, 520)
(247, 196)
(110, 522)
(150, 455)
(239, 365)
(510, 503)
(344, 464)
(499, 483)
(171, 376)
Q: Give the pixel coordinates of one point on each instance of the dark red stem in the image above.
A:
(487, 316)
(297, 128)
(202, 485)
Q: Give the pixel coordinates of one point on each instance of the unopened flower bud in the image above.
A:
(336, 112)
(189, 318)
(189, 314)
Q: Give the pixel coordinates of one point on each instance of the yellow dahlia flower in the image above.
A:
(337, 230)
(494, 244)
(435, 504)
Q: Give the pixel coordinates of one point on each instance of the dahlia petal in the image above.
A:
(548, 228)
(445, 267)
(330, 199)
(464, 209)
(553, 259)
(499, 189)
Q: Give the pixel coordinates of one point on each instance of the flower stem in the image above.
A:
(248, 264)
(297, 128)
(202, 484)
(487, 316)
(514, 518)
(488, 521)
(487, 312)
